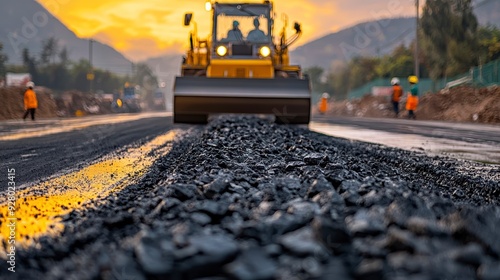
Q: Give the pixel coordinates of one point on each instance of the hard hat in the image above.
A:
(30, 84)
(235, 23)
(413, 79)
(395, 81)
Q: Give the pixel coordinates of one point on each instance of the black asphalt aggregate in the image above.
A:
(243, 198)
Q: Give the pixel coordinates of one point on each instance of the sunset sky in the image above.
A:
(148, 28)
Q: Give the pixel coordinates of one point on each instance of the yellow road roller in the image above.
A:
(239, 69)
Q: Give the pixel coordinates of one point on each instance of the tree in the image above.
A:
(362, 70)
(107, 81)
(15, 68)
(448, 29)
(63, 56)
(57, 75)
(30, 63)
(53, 74)
(3, 60)
(103, 80)
(489, 43)
(79, 72)
(397, 64)
(56, 71)
(49, 51)
(464, 42)
(435, 26)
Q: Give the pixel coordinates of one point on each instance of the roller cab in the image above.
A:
(239, 69)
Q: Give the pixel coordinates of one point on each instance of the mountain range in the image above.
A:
(26, 24)
(365, 39)
(374, 38)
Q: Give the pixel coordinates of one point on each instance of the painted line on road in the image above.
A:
(39, 208)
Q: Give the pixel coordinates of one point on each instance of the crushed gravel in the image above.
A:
(243, 198)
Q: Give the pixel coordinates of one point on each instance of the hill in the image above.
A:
(26, 23)
(368, 38)
(374, 38)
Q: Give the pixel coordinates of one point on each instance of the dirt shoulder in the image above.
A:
(12, 103)
(66, 104)
(461, 104)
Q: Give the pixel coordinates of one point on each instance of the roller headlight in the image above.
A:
(221, 50)
(265, 51)
(208, 6)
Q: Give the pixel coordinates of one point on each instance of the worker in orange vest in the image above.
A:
(30, 101)
(397, 92)
(412, 101)
(323, 105)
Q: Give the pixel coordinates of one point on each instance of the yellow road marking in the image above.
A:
(38, 209)
(76, 124)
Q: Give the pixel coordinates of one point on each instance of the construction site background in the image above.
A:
(458, 104)
(50, 105)
(483, 75)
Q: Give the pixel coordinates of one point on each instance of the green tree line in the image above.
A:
(52, 68)
(3, 61)
(451, 43)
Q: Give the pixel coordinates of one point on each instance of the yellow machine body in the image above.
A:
(241, 74)
(239, 68)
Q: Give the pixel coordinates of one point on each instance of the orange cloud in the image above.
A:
(147, 28)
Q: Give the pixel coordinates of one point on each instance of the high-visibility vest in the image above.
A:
(397, 92)
(30, 101)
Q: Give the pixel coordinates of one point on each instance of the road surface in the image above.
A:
(40, 149)
(476, 142)
(136, 197)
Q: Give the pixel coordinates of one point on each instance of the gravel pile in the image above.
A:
(247, 199)
(12, 99)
